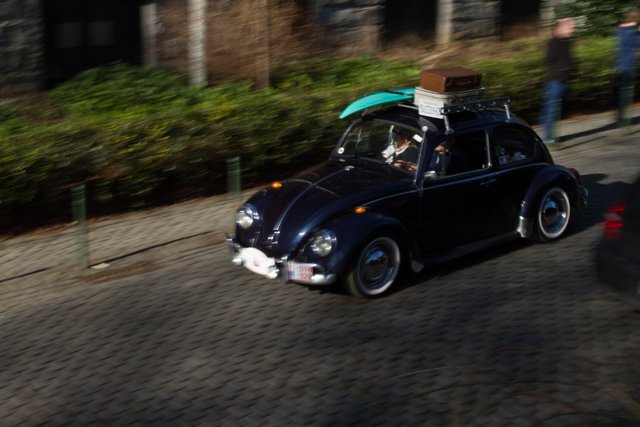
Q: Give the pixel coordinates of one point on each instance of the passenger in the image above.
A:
(448, 158)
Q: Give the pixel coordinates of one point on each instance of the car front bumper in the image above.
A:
(272, 268)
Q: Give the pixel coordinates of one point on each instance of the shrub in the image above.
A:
(600, 16)
(121, 87)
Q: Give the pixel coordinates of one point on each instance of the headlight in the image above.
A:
(245, 216)
(323, 243)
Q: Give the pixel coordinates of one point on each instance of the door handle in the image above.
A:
(488, 182)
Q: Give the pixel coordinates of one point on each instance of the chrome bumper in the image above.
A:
(525, 227)
(277, 267)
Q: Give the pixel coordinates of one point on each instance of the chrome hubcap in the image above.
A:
(379, 265)
(554, 213)
(375, 265)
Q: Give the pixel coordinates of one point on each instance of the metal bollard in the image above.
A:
(233, 176)
(79, 214)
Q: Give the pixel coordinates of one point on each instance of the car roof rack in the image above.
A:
(485, 104)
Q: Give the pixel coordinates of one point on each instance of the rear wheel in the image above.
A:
(376, 268)
(553, 215)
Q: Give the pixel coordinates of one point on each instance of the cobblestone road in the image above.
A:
(520, 335)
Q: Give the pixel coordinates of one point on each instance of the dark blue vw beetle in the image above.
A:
(479, 176)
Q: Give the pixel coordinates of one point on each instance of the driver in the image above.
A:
(405, 153)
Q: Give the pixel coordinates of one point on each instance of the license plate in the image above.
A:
(257, 261)
(430, 110)
(302, 272)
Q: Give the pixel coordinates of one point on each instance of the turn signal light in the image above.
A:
(276, 185)
(360, 210)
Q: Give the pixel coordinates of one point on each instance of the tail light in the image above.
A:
(613, 222)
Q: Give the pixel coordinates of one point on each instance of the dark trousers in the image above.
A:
(554, 91)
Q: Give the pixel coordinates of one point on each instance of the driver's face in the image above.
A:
(399, 140)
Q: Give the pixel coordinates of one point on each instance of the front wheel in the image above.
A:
(376, 268)
(553, 215)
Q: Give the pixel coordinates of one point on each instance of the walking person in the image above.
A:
(628, 41)
(559, 64)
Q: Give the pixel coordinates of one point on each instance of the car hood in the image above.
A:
(313, 198)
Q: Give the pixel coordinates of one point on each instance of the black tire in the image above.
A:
(376, 268)
(552, 216)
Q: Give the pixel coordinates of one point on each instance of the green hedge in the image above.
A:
(140, 136)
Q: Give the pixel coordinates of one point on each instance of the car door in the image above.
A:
(456, 206)
(516, 159)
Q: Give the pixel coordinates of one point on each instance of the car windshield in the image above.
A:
(385, 142)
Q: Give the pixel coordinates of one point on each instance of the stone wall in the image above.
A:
(475, 19)
(172, 35)
(351, 24)
(21, 41)
(358, 24)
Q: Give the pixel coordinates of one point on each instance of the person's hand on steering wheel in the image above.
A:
(402, 164)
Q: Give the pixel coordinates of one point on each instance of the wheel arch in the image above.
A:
(543, 181)
(356, 231)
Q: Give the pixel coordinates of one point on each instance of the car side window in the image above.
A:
(461, 153)
(512, 145)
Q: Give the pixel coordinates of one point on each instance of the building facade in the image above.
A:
(45, 42)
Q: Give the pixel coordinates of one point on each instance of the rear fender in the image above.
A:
(555, 176)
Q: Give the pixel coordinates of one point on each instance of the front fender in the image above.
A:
(545, 179)
(353, 231)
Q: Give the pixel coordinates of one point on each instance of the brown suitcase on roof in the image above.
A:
(450, 79)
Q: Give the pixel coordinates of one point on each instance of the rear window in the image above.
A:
(512, 145)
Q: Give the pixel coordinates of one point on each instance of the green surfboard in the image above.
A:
(378, 98)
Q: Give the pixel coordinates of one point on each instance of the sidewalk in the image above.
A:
(120, 236)
(116, 237)
(582, 129)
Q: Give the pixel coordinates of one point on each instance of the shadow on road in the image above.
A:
(601, 197)
(588, 132)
